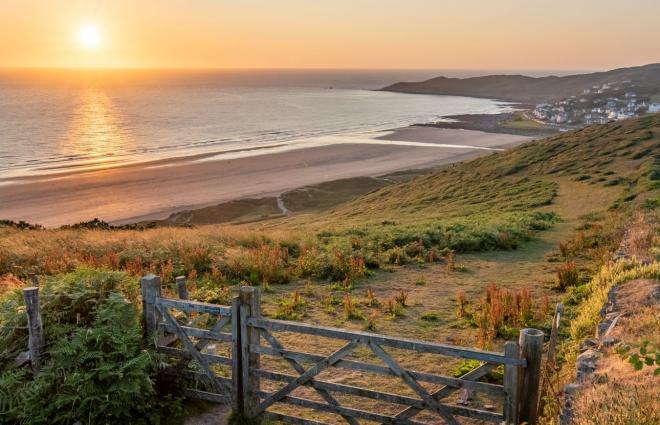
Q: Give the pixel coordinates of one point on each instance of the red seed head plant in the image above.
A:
(567, 275)
(372, 300)
(401, 297)
(461, 302)
(544, 308)
(451, 261)
(525, 306)
(432, 255)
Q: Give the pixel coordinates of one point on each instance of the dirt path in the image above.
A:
(218, 415)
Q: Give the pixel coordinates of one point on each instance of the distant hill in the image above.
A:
(520, 88)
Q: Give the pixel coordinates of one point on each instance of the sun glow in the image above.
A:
(89, 37)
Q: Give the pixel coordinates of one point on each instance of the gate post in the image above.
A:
(511, 382)
(150, 285)
(531, 349)
(35, 327)
(181, 287)
(236, 362)
(250, 301)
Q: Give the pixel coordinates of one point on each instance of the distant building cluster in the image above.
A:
(597, 105)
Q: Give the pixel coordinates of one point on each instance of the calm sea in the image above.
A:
(61, 120)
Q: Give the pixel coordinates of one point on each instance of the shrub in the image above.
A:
(501, 313)
(95, 370)
(292, 308)
(371, 322)
(451, 261)
(372, 300)
(393, 309)
(401, 298)
(264, 263)
(461, 302)
(567, 275)
(351, 309)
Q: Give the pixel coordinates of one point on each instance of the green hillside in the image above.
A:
(412, 258)
(623, 154)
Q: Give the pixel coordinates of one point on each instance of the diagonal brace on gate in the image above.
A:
(325, 394)
(412, 383)
(308, 375)
(218, 385)
(445, 391)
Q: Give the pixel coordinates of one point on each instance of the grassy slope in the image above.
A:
(487, 203)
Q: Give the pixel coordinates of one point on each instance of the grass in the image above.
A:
(520, 121)
(498, 219)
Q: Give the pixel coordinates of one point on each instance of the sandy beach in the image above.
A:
(153, 190)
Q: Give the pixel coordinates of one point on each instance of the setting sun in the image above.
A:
(89, 37)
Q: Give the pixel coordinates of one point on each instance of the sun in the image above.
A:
(89, 37)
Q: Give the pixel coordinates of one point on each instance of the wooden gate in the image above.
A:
(270, 378)
(199, 328)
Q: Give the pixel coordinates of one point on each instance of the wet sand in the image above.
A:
(153, 190)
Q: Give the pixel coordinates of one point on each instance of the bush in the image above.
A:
(292, 308)
(567, 275)
(262, 264)
(94, 368)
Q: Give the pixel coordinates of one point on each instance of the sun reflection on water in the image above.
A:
(96, 132)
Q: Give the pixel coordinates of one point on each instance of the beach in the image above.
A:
(153, 190)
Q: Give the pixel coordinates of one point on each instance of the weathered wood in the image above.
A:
(181, 287)
(22, 358)
(150, 286)
(301, 369)
(473, 375)
(35, 327)
(196, 376)
(250, 301)
(309, 374)
(207, 335)
(348, 411)
(375, 395)
(531, 347)
(554, 334)
(190, 347)
(380, 418)
(199, 307)
(236, 364)
(430, 402)
(185, 354)
(456, 383)
(409, 344)
(204, 395)
(511, 385)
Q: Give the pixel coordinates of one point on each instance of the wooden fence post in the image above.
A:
(236, 363)
(35, 327)
(554, 333)
(181, 287)
(250, 301)
(531, 349)
(511, 382)
(150, 285)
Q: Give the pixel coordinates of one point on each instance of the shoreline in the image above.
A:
(154, 190)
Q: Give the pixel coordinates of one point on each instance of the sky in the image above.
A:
(372, 34)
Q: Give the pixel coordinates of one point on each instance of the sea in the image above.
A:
(66, 120)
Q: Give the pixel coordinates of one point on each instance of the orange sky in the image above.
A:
(441, 34)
